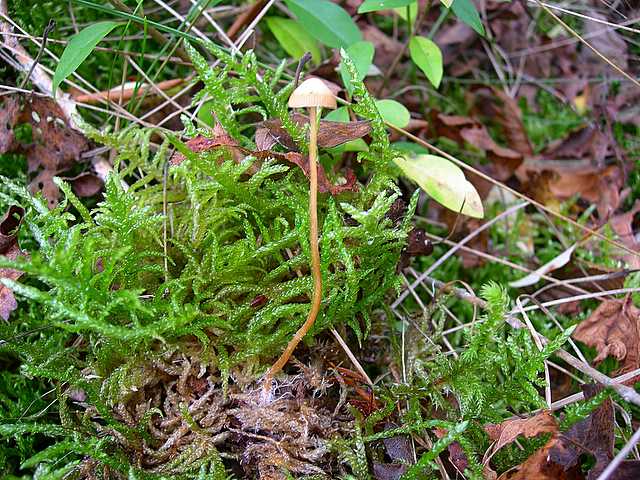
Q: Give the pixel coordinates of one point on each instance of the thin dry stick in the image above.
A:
(315, 252)
(118, 93)
(536, 339)
(351, 356)
(593, 49)
(453, 250)
(619, 458)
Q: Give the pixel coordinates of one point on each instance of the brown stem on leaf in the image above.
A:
(315, 252)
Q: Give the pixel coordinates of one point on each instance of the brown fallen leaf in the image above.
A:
(560, 458)
(494, 103)
(622, 225)
(330, 134)
(613, 330)
(506, 432)
(595, 436)
(465, 129)
(221, 139)
(55, 148)
(388, 471)
(86, 184)
(9, 248)
(587, 142)
(457, 457)
(538, 467)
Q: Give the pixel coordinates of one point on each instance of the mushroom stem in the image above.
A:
(313, 246)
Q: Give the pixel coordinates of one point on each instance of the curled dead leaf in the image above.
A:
(55, 146)
(613, 330)
(506, 432)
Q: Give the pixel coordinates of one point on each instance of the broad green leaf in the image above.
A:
(340, 114)
(466, 11)
(393, 112)
(205, 113)
(375, 5)
(295, 40)
(409, 147)
(413, 11)
(443, 181)
(427, 55)
(79, 48)
(361, 53)
(326, 22)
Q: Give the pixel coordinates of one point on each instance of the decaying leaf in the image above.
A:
(508, 431)
(330, 134)
(497, 104)
(538, 467)
(55, 146)
(9, 248)
(560, 458)
(504, 161)
(595, 436)
(613, 330)
(457, 457)
(623, 226)
(220, 139)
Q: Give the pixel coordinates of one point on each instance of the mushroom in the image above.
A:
(312, 94)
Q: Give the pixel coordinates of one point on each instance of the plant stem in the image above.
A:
(313, 247)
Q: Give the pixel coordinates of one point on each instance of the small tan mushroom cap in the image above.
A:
(312, 93)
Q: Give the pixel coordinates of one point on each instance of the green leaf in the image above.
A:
(375, 5)
(443, 181)
(326, 22)
(466, 11)
(393, 112)
(446, 3)
(413, 11)
(295, 40)
(361, 53)
(79, 48)
(427, 55)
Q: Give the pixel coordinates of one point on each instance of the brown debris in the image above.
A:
(265, 437)
(222, 139)
(9, 248)
(613, 329)
(55, 148)
(330, 134)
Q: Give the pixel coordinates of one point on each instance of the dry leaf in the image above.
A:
(330, 134)
(221, 139)
(556, 263)
(9, 248)
(538, 467)
(457, 457)
(623, 226)
(613, 330)
(506, 432)
(55, 148)
(494, 103)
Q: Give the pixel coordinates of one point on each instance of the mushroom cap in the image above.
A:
(312, 93)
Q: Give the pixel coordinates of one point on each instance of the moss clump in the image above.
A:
(210, 256)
